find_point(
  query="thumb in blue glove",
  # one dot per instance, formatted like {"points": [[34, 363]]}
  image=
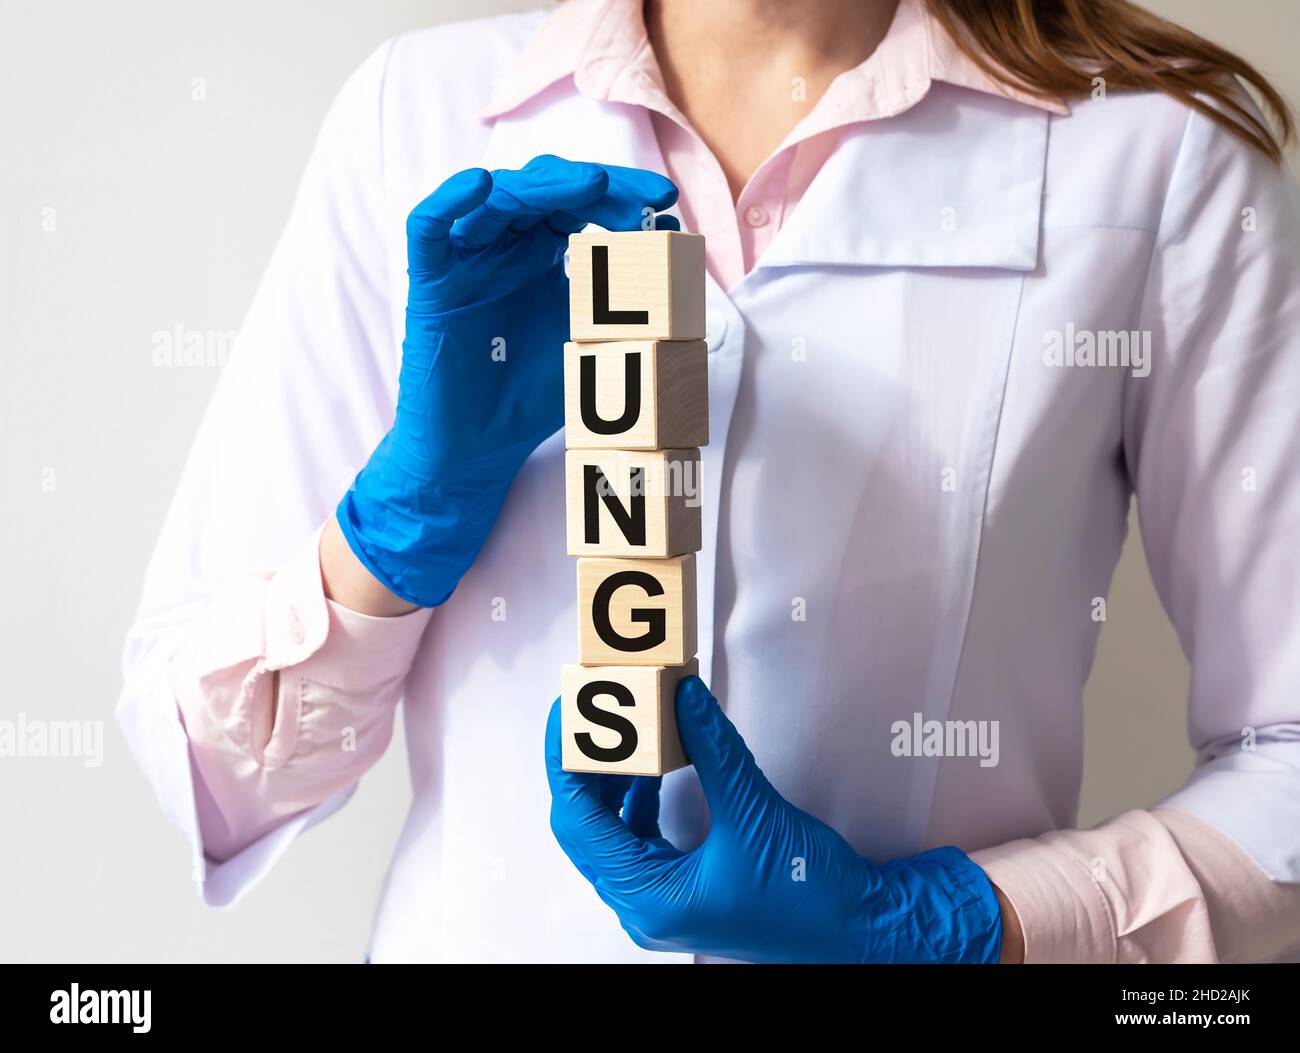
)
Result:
{"points": [[770, 883]]}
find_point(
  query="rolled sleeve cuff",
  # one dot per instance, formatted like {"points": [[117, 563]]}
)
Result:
{"points": [[266, 760], [1121, 892], [1062, 911], [327, 642]]}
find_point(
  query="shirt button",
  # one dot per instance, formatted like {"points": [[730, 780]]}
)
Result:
{"points": [[296, 632], [756, 216]]}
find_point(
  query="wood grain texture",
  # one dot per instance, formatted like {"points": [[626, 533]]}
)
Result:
{"points": [[658, 272], [671, 400], [656, 492], [647, 744], [621, 623]]}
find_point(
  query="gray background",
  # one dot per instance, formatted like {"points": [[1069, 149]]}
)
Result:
{"points": [[166, 210]]}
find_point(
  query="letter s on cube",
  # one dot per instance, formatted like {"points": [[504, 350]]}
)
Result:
{"points": [[621, 720]]}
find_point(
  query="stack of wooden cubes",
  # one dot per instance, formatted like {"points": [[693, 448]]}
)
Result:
{"points": [[636, 409]]}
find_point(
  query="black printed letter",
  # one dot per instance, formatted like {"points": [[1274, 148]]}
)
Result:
{"points": [[593, 714], [655, 620]]}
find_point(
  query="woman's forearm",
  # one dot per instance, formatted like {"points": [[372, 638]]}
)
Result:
{"points": [[1013, 937], [348, 582]]}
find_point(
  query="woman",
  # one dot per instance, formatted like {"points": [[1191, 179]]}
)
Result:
{"points": [[954, 324]]}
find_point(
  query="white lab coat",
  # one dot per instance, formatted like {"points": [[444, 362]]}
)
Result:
{"points": [[891, 456]]}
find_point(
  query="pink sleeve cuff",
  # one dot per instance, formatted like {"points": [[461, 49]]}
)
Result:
{"points": [[263, 757], [1062, 914], [1121, 892], [330, 643], [1255, 918]]}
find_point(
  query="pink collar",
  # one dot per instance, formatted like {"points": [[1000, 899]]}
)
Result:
{"points": [[602, 45]]}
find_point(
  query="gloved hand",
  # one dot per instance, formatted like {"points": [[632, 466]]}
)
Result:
{"points": [[481, 382], [770, 883]]}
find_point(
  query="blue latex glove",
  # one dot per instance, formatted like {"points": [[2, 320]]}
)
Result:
{"points": [[738, 895], [482, 377]]}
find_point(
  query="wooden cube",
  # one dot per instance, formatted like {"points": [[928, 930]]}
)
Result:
{"points": [[636, 395], [629, 503], [622, 719], [642, 284], [636, 611]]}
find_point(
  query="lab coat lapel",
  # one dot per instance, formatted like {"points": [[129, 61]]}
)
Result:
{"points": [[955, 181], [577, 127]]}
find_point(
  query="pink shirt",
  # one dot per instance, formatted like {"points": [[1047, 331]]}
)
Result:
{"points": [[275, 665]]}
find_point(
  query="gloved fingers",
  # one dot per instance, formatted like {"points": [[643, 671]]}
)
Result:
{"points": [[662, 848], [733, 783], [430, 222], [566, 223], [641, 807], [592, 836], [633, 194], [546, 184], [613, 789]]}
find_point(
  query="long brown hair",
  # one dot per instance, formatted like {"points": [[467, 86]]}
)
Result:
{"points": [[1056, 47]]}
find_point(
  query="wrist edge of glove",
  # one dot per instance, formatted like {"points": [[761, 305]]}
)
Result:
{"points": [[954, 910], [347, 520]]}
